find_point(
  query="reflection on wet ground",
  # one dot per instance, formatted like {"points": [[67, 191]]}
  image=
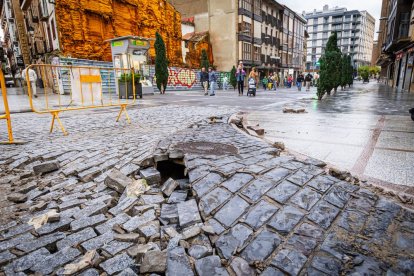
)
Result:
{"points": [[366, 129]]}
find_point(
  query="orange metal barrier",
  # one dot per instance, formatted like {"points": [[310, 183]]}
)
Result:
{"points": [[67, 88]]}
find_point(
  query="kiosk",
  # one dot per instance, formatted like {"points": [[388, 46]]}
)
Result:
{"points": [[131, 52]]}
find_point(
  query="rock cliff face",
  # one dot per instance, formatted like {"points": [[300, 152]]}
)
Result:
{"points": [[84, 25]]}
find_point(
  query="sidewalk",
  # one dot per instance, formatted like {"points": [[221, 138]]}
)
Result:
{"points": [[366, 130]]}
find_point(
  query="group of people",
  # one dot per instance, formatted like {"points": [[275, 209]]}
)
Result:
{"points": [[208, 79], [271, 82]]}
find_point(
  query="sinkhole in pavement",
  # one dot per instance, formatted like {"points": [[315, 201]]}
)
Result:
{"points": [[171, 168]]}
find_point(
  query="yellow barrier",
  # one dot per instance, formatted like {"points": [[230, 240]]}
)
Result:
{"points": [[6, 116], [85, 85]]}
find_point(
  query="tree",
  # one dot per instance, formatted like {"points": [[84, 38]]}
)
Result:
{"points": [[233, 80], [344, 71], [330, 67], [350, 72], [363, 71], [204, 60], [161, 64]]}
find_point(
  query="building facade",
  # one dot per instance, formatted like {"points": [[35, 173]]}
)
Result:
{"points": [[355, 30], [260, 33], [15, 44], [396, 44]]}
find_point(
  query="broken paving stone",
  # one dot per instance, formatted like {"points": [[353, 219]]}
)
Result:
{"points": [[198, 251], [117, 181], [206, 183], [230, 212], [98, 241], [282, 192], [261, 247], [191, 232], [257, 129], [149, 229], [188, 213], [86, 261], [210, 265], [286, 219], [152, 199], [306, 198], [17, 197], [6, 257], [169, 186], [138, 250], [117, 264], [41, 242], [213, 199], [151, 175], [272, 271], [241, 267], [107, 226], [154, 261], [127, 272], [90, 272], [137, 221], [169, 213], [260, 214], [84, 222], [289, 260], [27, 261], [76, 238], [60, 258], [323, 214], [177, 196], [46, 167], [178, 263], [123, 205], [114, 247], [131, 237], [38, 207], [229, 243], [237, 181]]}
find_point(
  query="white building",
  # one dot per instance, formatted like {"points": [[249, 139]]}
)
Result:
{"points": [[355, 30]]}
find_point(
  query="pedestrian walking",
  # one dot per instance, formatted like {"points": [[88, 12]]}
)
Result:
{"points": [[275, 81], [204, 80], [289, 81], [265, 81], [253, 74], [225, 82], [299, 81], [212, 79], [308, 80], [240, 75], [32, 79]]}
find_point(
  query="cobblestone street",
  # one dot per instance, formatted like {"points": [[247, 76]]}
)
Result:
{"points": [[182, 192]]}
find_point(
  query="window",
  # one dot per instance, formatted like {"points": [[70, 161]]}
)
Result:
{"points": [[257, 53], [246, 4], [257, 7], [315, 29], [52, 22], [404, 24], [247, 51]]}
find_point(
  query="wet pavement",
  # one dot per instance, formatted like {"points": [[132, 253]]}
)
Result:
{"points": [[99, 201], [366, 130]]}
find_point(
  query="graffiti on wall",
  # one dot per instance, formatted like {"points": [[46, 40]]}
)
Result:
{"points": [[187, 79], [182, 77]]}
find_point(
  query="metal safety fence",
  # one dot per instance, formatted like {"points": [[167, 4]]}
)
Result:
{"points": [[59, 88]]}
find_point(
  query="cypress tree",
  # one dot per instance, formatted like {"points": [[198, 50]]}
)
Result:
{"points": [[161, 64], [204, 60], [344, 71], [350, 72], [330, 67], [233, 80]]}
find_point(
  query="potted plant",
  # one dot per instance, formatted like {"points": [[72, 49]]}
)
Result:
{"points": [[125, 86]]}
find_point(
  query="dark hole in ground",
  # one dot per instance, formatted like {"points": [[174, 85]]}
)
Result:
{"points": [[169, 168]]}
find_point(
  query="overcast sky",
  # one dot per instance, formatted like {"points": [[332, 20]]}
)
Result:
{"points": [[372, 6]]}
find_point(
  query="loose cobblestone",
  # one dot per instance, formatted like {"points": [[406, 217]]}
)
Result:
{"points": [[246, 211]]}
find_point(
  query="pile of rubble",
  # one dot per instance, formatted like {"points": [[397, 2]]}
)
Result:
{"points": [[135, 225]]}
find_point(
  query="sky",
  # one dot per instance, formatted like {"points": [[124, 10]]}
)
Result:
{"points": [[372, 6]]}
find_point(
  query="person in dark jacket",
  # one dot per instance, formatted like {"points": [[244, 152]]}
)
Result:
{"points": [[240, 75], [204, 80], [212, 79], [299, 81], [308, 80]]}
